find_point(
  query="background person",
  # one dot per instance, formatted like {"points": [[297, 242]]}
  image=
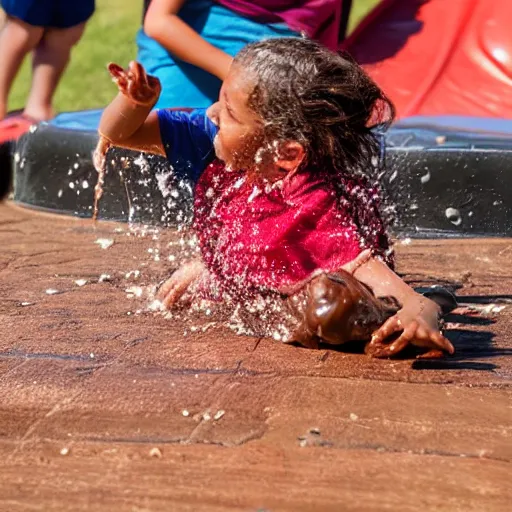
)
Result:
{"points": [[189, 44], [49, 29]]}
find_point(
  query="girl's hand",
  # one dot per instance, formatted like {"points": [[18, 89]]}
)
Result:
{"points": [[175, 287], [134, 83], [419, 322]]}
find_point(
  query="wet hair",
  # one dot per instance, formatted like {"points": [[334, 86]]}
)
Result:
{"points": [[325, 101], [321, 99]]}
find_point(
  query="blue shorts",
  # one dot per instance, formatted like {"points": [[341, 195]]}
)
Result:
{"points": [[184, 85], [50, 13]]}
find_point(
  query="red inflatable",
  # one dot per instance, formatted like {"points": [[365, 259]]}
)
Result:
{"points": [[13, 127], [437, 57]]}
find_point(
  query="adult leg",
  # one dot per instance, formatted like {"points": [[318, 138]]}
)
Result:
{"points": [[51, 58], [17, 38]]}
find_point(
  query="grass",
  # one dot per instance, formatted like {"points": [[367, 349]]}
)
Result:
{"points": [[109, 36]]}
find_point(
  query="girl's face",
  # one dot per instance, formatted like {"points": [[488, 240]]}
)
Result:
{"points": [[240, 141], [240, 129]]}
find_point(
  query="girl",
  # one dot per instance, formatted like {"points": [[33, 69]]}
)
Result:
{"points": [[281, 164], [191, 43]]}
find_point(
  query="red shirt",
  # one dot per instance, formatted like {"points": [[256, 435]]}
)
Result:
{"points": [[253, 238]]}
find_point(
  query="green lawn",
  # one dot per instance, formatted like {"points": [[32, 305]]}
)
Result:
{"points": [[109, 37]]}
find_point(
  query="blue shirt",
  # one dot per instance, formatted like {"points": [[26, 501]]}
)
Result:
{"points": [[188, 141]]}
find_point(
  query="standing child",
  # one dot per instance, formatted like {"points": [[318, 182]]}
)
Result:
{"points": [[189, 44], [282, 164], [49, 28]]}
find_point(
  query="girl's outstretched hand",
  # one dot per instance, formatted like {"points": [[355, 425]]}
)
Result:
{"points": [[135, 83], [179, 283], [419, 323]]}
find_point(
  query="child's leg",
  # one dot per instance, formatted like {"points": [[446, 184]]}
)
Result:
{"points": [[17, 38], [51, 58]]}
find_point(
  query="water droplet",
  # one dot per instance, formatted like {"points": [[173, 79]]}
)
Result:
{"points": [[155, 452], [425, 178], [453, 215], [104, 243], [219, 414], [135, 290]]}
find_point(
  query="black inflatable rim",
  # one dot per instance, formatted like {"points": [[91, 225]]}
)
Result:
{"points": [[410, 150]]}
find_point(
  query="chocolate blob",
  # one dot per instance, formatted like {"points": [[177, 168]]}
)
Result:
{"points": [[339, 308]]}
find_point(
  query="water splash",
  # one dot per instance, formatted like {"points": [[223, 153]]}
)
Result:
{"points": [[100, 164], [454, 216]]}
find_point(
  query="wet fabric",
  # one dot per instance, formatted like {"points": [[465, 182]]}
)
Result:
{"points": [[255, 237], [50, 13], [270, 238]]}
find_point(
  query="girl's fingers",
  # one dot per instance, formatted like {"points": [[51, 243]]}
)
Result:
{"points": [[140, 74], [165, 289], [153, 82], [442, 342], [389, 327], [398, 345], [171, 291], [115, 69], [133, 90], [390, 350], [431, 354], [118, 75], [134, 70], [134, 81], [171, 298], [430, 338]]}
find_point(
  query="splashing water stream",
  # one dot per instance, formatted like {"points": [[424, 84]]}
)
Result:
{"points": [[100, 164]]}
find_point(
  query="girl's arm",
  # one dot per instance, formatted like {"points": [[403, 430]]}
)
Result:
{"points": [[128, 121], [162, 24], [419, 317]]}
